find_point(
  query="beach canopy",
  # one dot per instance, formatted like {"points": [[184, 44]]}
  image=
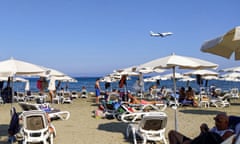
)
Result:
{"points": [[187, 79], [130, 71], [12, 67], [170, 76], [231, 69], [15, 79], [202, 72], [183, 62], [224, 45], [63, 78]]}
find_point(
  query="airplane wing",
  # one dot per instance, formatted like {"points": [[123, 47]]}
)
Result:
{"points": [[164, 34]]}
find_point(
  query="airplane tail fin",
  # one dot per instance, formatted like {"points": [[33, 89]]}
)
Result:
{"points": [[151, 32]]}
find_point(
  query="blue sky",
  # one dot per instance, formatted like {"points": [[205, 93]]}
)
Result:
{"points": [[94, 37]]}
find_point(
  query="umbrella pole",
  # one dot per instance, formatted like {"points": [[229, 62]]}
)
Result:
{"points": [[10, 78], [175, 107]]}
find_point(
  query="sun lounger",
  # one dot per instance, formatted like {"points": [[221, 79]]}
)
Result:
{"points": [[220, 101], [53, 113], [74, 94], [36, 128], [151, 128], [134, 112]]}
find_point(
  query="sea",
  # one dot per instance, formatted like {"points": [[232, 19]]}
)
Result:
{"points": [[89, 82]]}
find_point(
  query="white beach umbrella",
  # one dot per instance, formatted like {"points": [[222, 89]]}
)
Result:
{"points": [[202, 72], [12, 67], [146, 70], [109, 79], [210, 77], [149, 79], [224, 45], [229, 79], [231, 75], [52, 72], [182, 62], [15, 79], [127, 71], [170, 76], [231, 69], [64, 78], [186, 79]]}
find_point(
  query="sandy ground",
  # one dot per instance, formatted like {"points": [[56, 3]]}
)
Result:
{"points": [[82, 128]]}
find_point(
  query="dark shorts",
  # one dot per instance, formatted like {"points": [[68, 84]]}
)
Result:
{"points": [[97, 92], [186, 139]]}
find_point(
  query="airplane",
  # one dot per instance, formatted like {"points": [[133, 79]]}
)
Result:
{"points": [[164, 34]]}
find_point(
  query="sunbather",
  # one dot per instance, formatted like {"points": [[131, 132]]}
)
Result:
{"points": [[220, 132], [190, 96], [134, 100]]}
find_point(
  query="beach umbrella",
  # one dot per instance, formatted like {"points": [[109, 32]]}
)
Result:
{"points": [[202, 72], [130, 71], [146, 70], [15, 79], [231, 69], [12, 67], [224, 45], [51, 72], [170, 76], [187, 79], [63, 78], [231, 75], [108, 79], [149, 79], [182, 62]]}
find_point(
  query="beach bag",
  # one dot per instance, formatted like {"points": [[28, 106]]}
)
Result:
{"points": [[99, 114], [208, 138]]}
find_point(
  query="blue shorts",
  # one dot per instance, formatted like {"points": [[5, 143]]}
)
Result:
{"points": [[97, 92]]}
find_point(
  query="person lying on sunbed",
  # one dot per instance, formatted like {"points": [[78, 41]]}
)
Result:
{"points": [[217, 134], [134, 100]]}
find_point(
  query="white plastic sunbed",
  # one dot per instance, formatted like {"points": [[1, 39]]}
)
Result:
{"points": [[52, 113]]}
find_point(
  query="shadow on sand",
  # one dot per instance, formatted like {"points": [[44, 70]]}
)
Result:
{"points": [[118, 127], [3, 133], [235, 103], [200, 111]]}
